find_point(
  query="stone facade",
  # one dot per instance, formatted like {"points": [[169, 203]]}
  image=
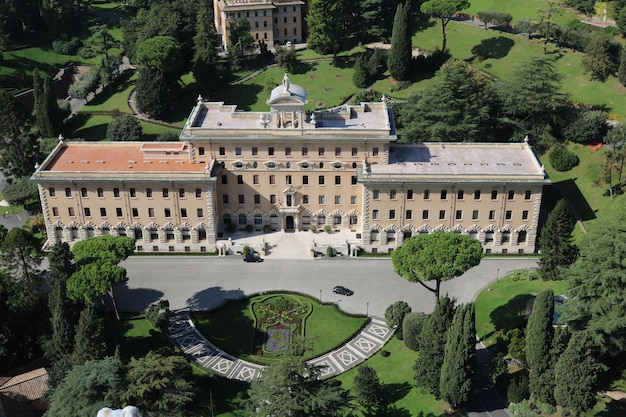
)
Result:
{"points": [[276, 22], [291, 169]]}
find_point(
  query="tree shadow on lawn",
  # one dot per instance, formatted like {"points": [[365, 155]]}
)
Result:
{"points": [[244, 95], [393, 411], [91, 134], [395, 391], [28, 65], [578, 204], [494, 48], [512, 314]]}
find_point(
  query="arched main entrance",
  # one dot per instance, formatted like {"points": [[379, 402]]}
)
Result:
{"points": [[289, 224]]}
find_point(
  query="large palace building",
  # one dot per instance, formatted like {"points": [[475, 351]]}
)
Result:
{"points": [[274, 21], [289, 169]]}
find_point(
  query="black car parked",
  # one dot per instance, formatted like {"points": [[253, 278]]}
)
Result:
{"points": [[342, 290]]}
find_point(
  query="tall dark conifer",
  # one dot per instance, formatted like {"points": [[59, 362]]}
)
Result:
{"points": [[89, 340], [432, 343], [459, 361], [63, 315], [621, 72], [539, 335], [400, 53], [45, 104], [205, 59], [555, 242]]}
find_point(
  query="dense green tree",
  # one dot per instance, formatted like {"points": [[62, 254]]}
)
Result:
{"points": [[61, 16], [600, 59], [86, 389], [395, 313], [3, 233], [620, 21], [205, 64], [160, 56], [160, 385], [436, 257], [432, 344], [89, 339], [443, 10], [589, 126], [460, 105], [62, 310], [594, 283], [412, 328], [98, 271], [287, 58], [399, 63], [241, 40], [459, 362], [546, 15], [21, 191], [361, 78], [531, 97], [157, 314], [376, 19], [584, 6], [577, 373], [20, 152], [291, 387], [497, 18], [555, 241], [621, 72], [20, 257], [124, 128], [152, 93], [367, 387], [539, 335], [325, 31]]}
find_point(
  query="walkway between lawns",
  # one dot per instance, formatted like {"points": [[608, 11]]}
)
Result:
{"points": [[194, 345]]}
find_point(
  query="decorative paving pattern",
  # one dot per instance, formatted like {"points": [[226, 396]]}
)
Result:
{"points": [[196, 347]]}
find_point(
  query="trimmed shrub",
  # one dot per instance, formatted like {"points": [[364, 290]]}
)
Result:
{"points": [[249, 228], [385, 353], [395, 313], [562, 159], [65, 47], [87, 52], [328, 229], [313, 228], [231, 227], [246, 250], [267, 228], [330, 252], [412, 328]]}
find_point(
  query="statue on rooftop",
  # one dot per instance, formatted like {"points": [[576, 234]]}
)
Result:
{"points": [[286, 82]]}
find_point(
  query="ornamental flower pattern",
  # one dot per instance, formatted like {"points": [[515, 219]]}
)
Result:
{"points": [[278, 319]]}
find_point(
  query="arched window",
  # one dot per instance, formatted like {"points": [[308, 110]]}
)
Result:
{"points": [[243, 220], [374, 235]]}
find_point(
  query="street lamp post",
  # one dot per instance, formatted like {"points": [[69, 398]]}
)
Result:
{"points": [[497, 275], [367, 309], [320, 297]]}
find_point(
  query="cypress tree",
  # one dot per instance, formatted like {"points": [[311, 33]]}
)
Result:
{"points": [[539, 335], [555, 241], [459, 361], [432, 343], [45, 105], [367, 387], [400, 53], [205, 59], [577, 374], [89, 343], [621, 72], [361, 71], [62, 310]]}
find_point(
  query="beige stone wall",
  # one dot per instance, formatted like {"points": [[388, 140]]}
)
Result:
{"points": [[489, 212], [181, 217]]}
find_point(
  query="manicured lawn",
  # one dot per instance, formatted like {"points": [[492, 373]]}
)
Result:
{"points": [[498, 53], [135, 335], [118, 100], [9, 210], [231, 328], [518, 9], [502, 305], [588, 199], [396, 375]]}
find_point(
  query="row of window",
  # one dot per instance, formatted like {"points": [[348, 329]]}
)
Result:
{"points": [[182, 193], [321, 180], [458, 215], [390, 237], [119, 212], [443, 195], [242, 219], [231, 15], [305, 199], [321, 151]]}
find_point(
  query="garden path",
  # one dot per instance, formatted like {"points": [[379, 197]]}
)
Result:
{"points": [[369, 340]]}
